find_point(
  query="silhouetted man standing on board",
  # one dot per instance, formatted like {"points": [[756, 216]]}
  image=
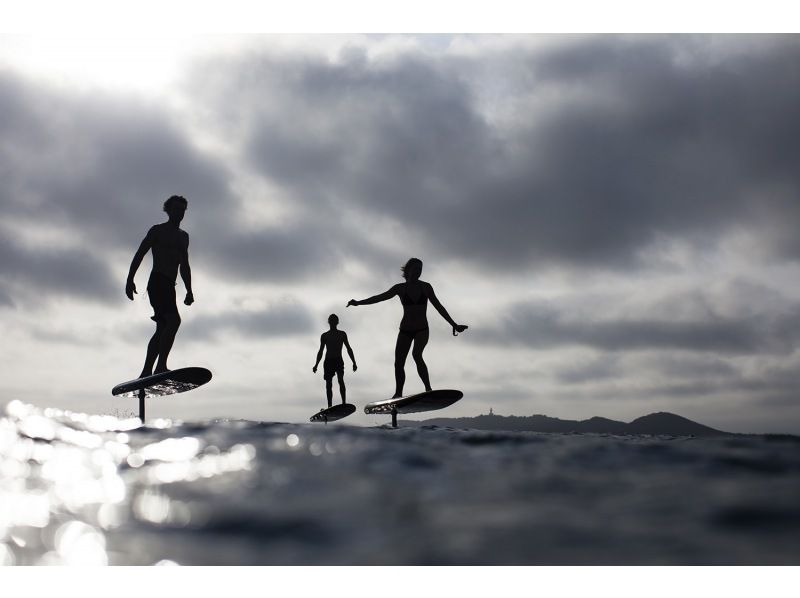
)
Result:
{"points": [[170, 246], [332, 340]]}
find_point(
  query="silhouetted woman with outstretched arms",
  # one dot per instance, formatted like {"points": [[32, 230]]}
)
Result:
{"points": [[414, 294]]}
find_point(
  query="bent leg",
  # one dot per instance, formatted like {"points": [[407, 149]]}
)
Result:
{"points": [[420, 340], [400, 354]]}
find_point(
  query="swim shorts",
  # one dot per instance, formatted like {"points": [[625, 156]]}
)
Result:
{"points": [[333, 367], [161, 291]]}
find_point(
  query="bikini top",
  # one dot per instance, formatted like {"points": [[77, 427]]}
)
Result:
{"points": [[406, 299]]}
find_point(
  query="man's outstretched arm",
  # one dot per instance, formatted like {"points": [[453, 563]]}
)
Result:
{"points": [[144, 247]]}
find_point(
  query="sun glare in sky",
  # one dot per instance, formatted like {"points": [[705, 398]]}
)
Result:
{"points": [[144, 64]]}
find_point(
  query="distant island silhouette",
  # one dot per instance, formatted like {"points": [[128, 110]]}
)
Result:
{"points": [[656, 424]]}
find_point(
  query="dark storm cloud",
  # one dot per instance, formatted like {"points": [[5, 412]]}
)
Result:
{"points": [[606, 143], [683, 136], [278, 320], [669, 374], [540, 325], [350, 138], [686, 367], [97, 168], [275, 254], [42, 271], [774, 385], [581, 153], [101, 165], [5, 298], [600, 368], [97, 164], [304, 249]]}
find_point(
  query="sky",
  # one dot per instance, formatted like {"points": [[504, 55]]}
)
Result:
{"points": [[614, 217]]}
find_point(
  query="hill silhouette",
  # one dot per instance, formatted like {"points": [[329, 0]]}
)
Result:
{"points": [[656, 424]]}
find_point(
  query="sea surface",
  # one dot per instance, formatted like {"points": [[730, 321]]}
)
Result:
{"points": [[88, 489]]}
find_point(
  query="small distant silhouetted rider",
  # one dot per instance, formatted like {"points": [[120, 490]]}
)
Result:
{"points": [[332, 342], [170, 246], [414, 294]]}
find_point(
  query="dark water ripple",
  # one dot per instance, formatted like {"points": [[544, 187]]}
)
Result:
{"points": [[78, 489]]}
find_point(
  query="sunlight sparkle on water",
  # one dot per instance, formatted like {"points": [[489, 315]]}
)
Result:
{"points": [[63, 482], [171, 449], [116, 450], [159, 509], [238, 458], [79, 437], [6, 556], [24, 508], [135, 460], [35, 426], [110, 516], [80, 544]]}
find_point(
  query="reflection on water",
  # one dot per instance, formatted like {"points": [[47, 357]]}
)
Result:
{"points": [[79, 489], [67, 478]]}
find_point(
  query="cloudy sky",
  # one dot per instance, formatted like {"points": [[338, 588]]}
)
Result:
{"points": [[615, 218]]}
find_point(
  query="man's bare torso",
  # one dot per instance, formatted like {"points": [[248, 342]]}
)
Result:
{"points": [[170, 245], [333, 341]]}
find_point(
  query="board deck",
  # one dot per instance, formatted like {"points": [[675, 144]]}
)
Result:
{"points": [[166, 383], [334, 413], [424, 401]]}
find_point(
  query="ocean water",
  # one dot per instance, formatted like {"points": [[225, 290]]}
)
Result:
{"points": [[86, 489]]}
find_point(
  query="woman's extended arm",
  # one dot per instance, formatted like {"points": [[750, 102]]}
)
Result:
{"points": [[440, 308], [375, 298]]}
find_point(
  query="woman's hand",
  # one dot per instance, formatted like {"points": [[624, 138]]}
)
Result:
{"points": [[352, 302], [459, 328]]}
